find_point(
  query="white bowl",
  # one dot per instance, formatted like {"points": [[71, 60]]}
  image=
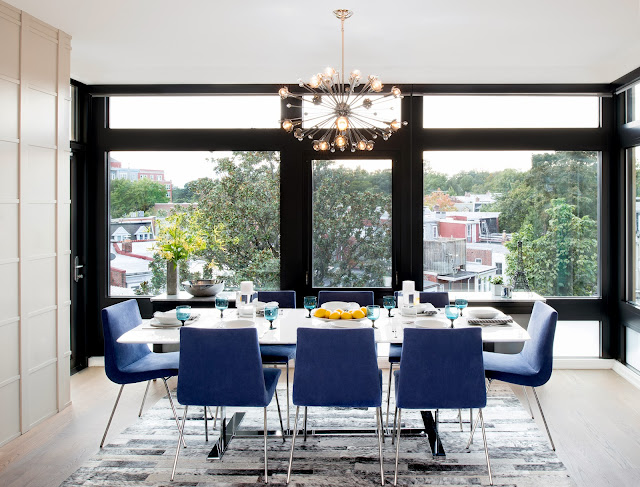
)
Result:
{"points": [[343, 305], [431, 323], [238, 324], [482, 313], [166, 317]]}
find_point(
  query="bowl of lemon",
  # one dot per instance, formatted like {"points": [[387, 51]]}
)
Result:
{"points": [[340, 316]]}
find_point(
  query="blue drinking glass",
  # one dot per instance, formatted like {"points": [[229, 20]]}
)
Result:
{"points": [[451, 312], [461, 304], [310, 302], [221, 304], [183, 313], [389, 302], [271, 313], [373, 313]]}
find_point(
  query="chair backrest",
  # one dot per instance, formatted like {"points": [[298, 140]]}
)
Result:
{"points": [[220, 368], [438, 299], [363, 298], [441, 369], [336, 368], [116, 321], [285, 299], [538, 352]]}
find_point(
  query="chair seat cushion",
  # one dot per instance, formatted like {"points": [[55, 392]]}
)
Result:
{"points": [[512, 368], [395, 353], [151, 366], [277, 354]]}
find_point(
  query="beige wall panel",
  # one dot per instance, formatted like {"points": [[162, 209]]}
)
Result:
{"points": [[64, 228], [9, 113], [64, 176], [64, 63], [10, 52], [40, 119], [65, 278], [40, 172], [9, 346], [39, 279], [65, 322], [9, 239], [10, 407], [9, 292], [8, 170], [40, 62], [42, 394], [64, 137], [39, 231], [41, 338]]}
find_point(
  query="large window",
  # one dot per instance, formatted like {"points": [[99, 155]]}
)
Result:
{"points": [[484, 202], [633, 161], [351, 234], [224, 207]]}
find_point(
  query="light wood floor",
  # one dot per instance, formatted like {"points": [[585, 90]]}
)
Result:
{"points": [[594, 417]]}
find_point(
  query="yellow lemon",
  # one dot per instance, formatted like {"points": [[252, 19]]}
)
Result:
{"points": [[339, 310], [320, 313], [345, 316], [334, 316], [364, 310], [358, 314]]}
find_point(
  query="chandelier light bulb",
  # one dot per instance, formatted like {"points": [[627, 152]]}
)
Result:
{"points": [[341, 142], [342, 123], [329, 71], [362, 145], [395, 125], [314, 82], [370, 145], [287, 125], [395, 91], [323, 145], [376, 85], [283, 92]]}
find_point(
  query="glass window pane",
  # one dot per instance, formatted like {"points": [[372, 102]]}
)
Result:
{"points": [[633, 348], [193, 112], [511, 111], [225, 205], [633, 159], [482, 203], [351, 242], [632, 104]]}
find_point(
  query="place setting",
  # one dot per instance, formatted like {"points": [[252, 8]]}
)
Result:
{"points": [[180, 316]]}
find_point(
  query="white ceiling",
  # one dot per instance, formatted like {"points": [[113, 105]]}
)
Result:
{"points": [[402, 41]]}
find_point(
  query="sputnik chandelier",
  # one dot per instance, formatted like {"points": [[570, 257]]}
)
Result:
{"points": [[344, 117]]}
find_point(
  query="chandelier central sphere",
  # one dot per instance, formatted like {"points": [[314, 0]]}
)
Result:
{"points": [[345, 118]]}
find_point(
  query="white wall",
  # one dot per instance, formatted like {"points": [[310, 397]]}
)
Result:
{"points": [[34, 221]]}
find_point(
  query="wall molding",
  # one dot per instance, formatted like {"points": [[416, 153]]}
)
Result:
{"points": [[15, 319], [14, 260], [627, 374], [43, 365], [42, 311], [582, 363], [10, 380], [9, 79]]}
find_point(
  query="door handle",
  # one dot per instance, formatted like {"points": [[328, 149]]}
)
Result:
{"points": [[76, 270]]}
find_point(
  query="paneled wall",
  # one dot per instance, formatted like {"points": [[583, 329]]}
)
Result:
{"points": [[34, 220]]}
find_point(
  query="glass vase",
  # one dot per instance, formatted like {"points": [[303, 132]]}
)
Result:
{"points": [[172, 278]]}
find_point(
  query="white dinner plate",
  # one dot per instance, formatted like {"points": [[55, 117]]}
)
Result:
{"points": [[238, 324], [343, 305], [482, 313], [431, 323], [158, 324]]}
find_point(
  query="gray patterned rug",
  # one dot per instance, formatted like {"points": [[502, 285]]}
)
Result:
{"points": [[143, 454]]}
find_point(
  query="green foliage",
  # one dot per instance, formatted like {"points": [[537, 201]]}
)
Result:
{"points": [[351, 242], [127, 196], [180, 236], [182, 195]]}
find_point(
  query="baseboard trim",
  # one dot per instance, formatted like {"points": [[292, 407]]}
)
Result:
{"points": [[582, 363], [96, 362], [627, 374]]}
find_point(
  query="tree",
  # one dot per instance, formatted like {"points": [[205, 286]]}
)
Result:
{"points": [[129, 196], [439, 198], [183, 195]]}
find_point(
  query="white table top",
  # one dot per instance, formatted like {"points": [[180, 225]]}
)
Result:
{"points": [[388, 331]]}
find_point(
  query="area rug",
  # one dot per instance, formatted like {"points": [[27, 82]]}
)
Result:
{"points": [[143, 454]]}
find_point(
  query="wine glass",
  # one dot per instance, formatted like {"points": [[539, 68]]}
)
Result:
{"points": [[183, 313], [451, 312], [373, 313], [310, 302], [221, 304], [389, 302], [271, 313], [461, 304]]}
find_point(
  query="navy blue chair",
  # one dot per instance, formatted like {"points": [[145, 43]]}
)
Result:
{"points": [[337, 368], [279, 354], [533, 365], [363, 298], [440, 369], [439, 300], [221, 368], [128, 363]]}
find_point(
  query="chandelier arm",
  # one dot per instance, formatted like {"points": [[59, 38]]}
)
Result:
{"points": [[374, 101], [366, 120]]}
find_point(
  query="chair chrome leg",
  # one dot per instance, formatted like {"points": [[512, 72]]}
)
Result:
{"points": [[266, 471], [535, 394], [111, 417], [144, 398], [288, 407], [215, 418], [381, 424], [279, 415], [395, 477], [393, 435], [460, 418], [293, 443], [379, 428], [470, 417], [206, 429], [473, 429], [486, 450], [389, 392], [305, 423], [180, 440], [173, 408], [528, 402]]}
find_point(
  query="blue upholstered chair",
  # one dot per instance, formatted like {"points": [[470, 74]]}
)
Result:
{"points": [[279, 354], [221, 367], [337, 368], [440, 369], [363, 298], [127, 363], [439, 300], [533, 365]]}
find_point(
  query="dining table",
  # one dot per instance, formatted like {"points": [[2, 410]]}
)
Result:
{"points": [[284, 331]]}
